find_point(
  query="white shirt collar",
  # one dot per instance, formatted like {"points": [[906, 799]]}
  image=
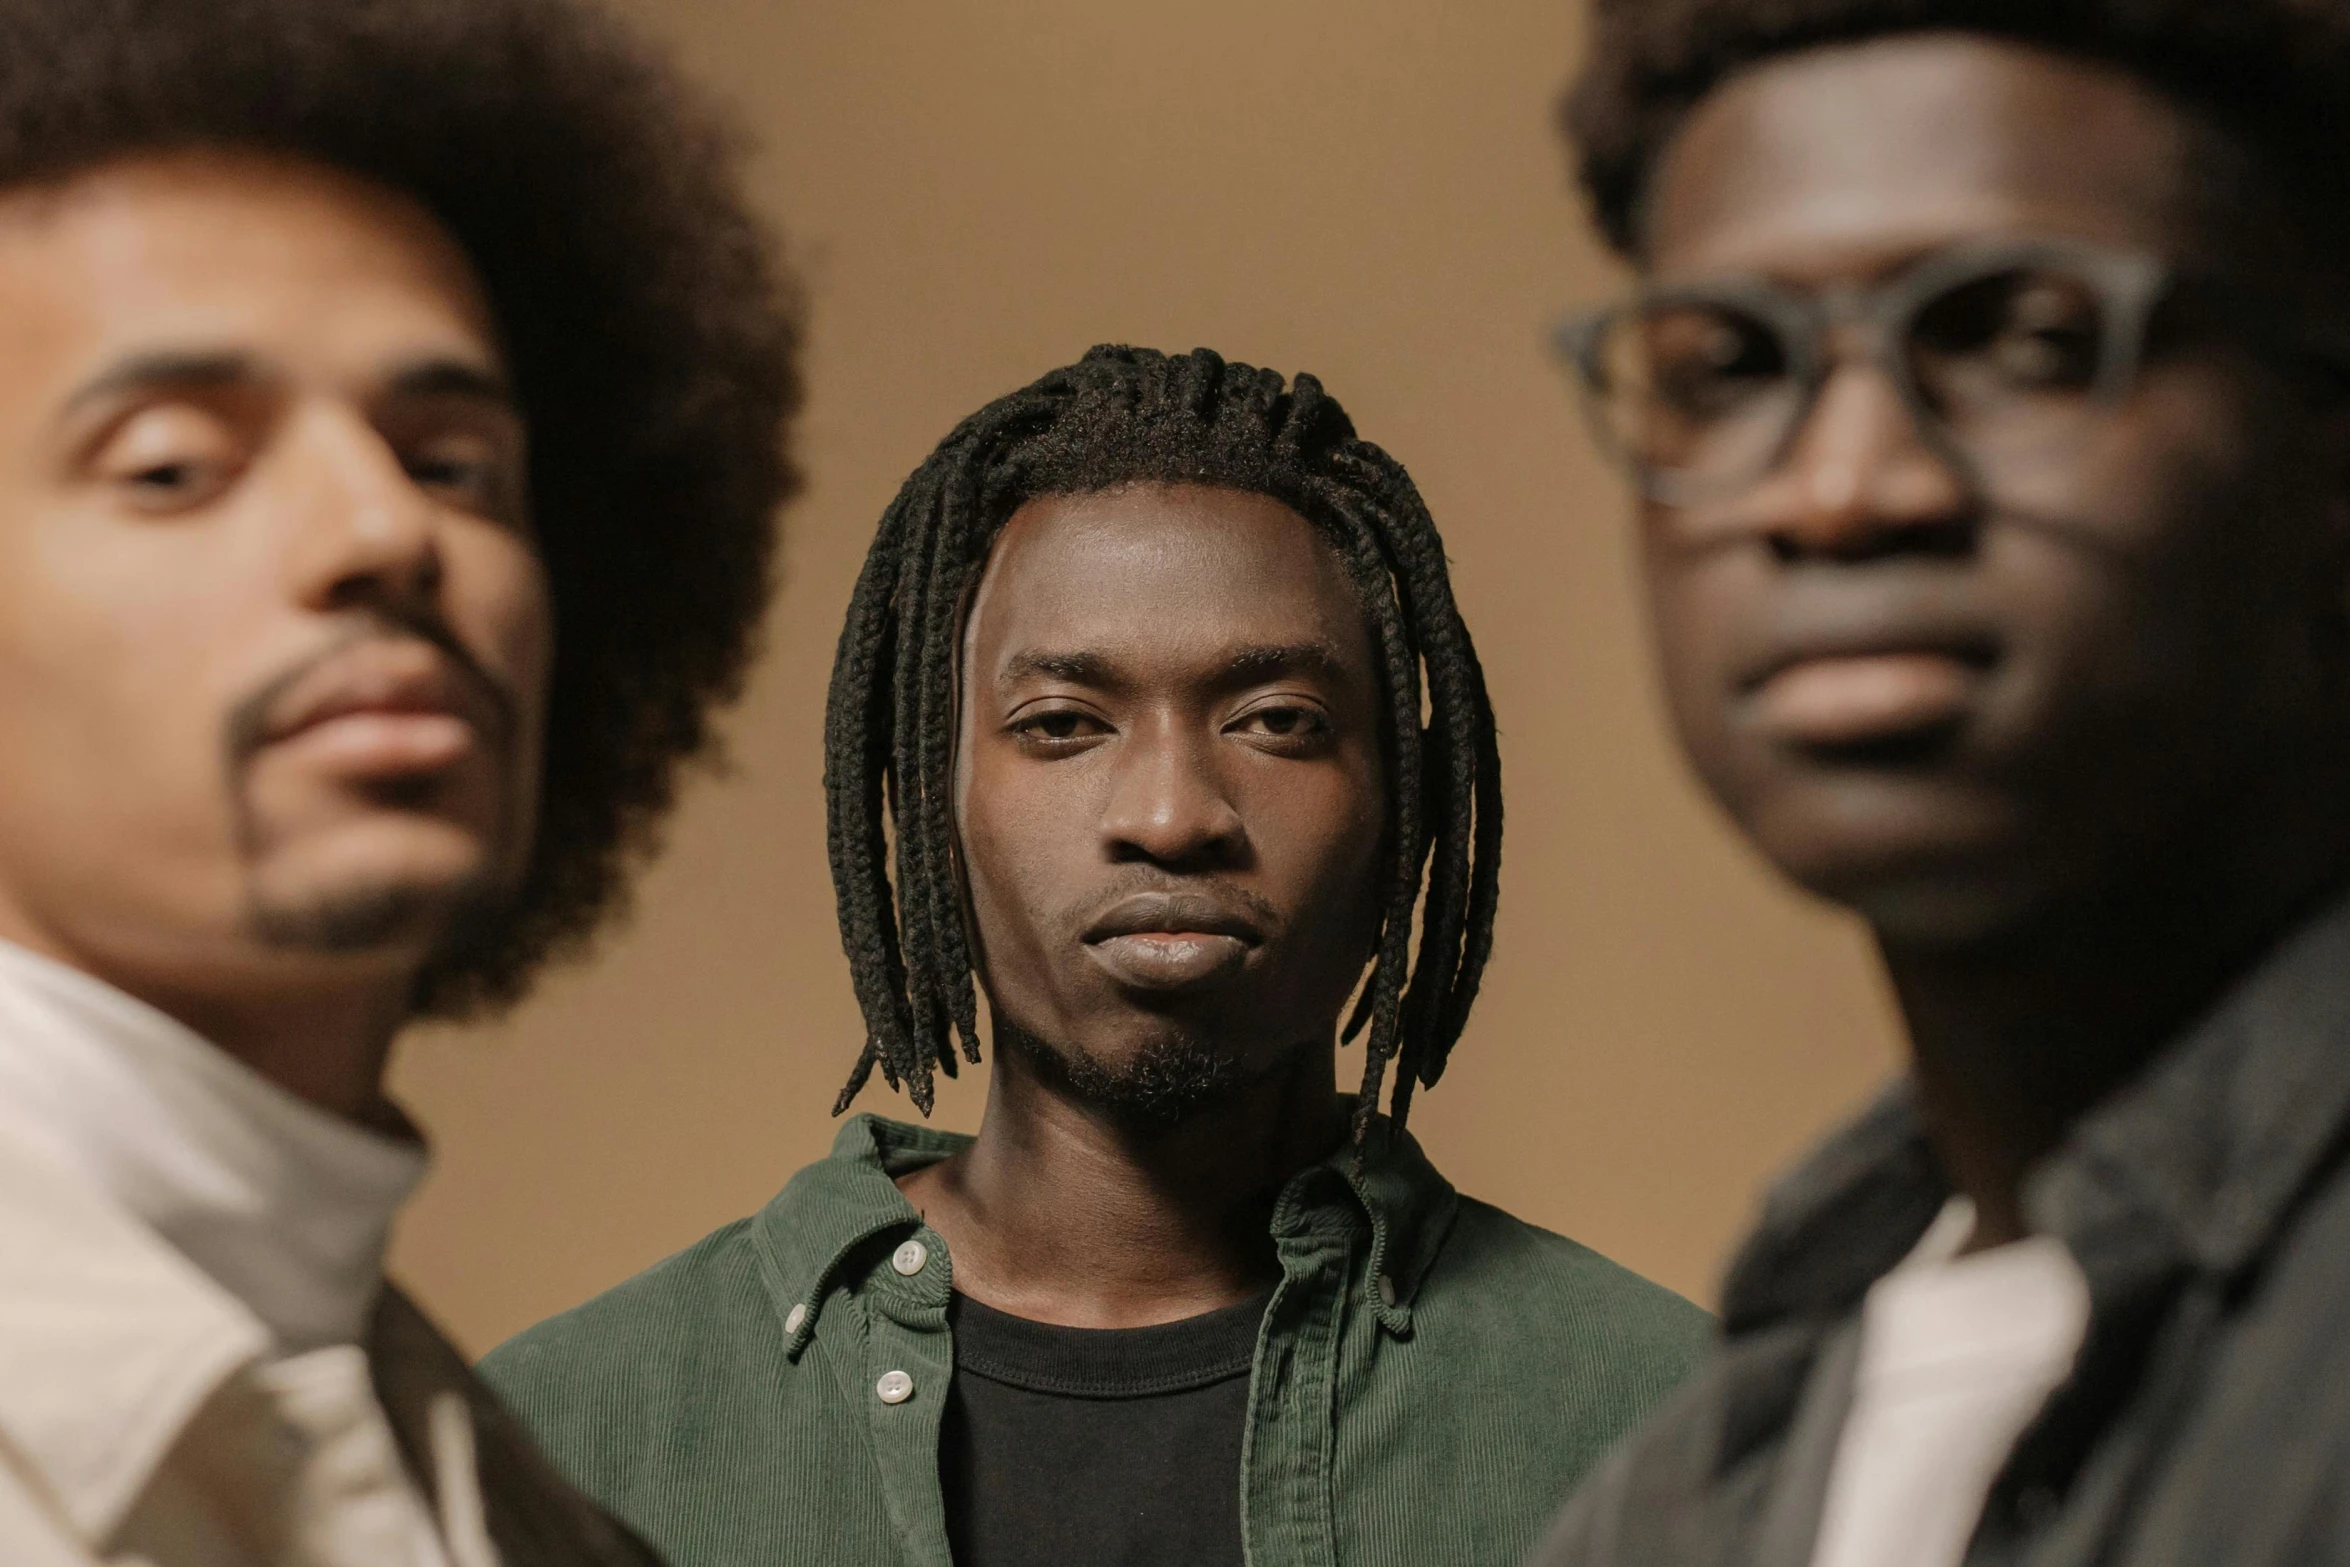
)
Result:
{"points": [[287, 1207], [110, 1341]]}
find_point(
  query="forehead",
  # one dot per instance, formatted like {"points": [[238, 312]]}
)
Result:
{"points": [[1155, 573], [228, 251], [1856, 157]]}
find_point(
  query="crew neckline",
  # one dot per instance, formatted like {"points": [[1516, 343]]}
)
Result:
{"points": [[1107, 1363]]}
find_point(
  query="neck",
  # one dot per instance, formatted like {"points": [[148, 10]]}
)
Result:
{"points": [[325, 1037], [1061, 1213], [2016, 1037], [330, 1045]]}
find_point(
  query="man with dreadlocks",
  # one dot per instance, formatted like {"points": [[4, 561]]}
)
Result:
{"points": [[1988, 389], [1133, 684]]}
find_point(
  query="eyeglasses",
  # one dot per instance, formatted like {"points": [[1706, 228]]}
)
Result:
{"points": [[2004, 353]]}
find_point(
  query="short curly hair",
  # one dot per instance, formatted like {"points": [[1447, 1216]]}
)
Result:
{"points": [[652, 340], [2276, 73]]}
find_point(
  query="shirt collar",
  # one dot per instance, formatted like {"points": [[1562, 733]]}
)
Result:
{"points": [[1409, 1206], [807, 1234], [2201, 1162], [286, 1206], [2193, 1166], [1840, 1221], [807, 1231], [110, 1341]]}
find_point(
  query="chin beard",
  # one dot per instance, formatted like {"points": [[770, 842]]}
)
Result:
{"points": [[448, 919], [1170, 1081]]}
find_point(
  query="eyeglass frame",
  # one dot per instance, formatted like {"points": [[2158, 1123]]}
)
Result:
{"points": [[2131, 285]]}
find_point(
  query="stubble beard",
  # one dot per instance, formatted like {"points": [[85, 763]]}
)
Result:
{"points": [[1172, 1079], [445, 918]]}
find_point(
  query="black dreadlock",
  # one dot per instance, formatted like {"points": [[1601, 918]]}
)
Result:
{"points": [[1124, 416]]}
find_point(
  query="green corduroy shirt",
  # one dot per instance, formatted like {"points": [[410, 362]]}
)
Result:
{"points": [[1431, 1379]]}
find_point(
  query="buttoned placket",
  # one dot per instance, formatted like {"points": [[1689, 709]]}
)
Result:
{"points": [[876, 1289], [1287, 1502], [899, 1313]]}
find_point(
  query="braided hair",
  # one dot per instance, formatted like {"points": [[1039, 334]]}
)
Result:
{"points": [[1124, 416]]}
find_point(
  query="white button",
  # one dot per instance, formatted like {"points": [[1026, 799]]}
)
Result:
{"points": [[909, 1258], [799, 1314], [895, 1387], [1386, 1290]]}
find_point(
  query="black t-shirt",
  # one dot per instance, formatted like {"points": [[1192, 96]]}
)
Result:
{"points": [[1096, 1447]]}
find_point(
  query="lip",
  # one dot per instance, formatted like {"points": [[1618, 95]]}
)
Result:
{"points": [[382, 709], [1860, 667], [1845, 700], [1160, 941]]}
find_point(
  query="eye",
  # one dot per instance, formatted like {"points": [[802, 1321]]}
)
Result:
{"points": [[467, 471], [1705, 361], [2050, 336], [1288, 726], [1058, 728], [2025, 330], [170, 457]]}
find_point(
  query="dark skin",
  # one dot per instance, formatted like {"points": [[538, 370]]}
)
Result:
{"points": [[1172, 804], [2075, 749]]}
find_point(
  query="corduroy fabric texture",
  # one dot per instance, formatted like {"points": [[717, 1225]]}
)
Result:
{"points": [[1432, 1377]]}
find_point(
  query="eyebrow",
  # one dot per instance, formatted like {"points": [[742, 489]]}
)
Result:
{"points": [[187, 371], [1078, 669], [201, 370], [1285, 658], [1239, 666], [457, 378]]}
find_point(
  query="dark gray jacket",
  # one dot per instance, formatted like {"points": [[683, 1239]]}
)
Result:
{"points": [[2209, 1418]]}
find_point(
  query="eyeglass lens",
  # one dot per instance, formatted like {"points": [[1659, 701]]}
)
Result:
{"points": [[1707, 393]]}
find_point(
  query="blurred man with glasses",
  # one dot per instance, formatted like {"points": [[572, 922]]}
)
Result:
{"points": [[1984, 386]]}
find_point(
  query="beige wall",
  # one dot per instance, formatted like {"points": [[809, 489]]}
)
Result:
{"points": [[975, 191]]}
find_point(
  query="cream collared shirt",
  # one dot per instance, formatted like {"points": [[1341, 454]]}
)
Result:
{"points": [[188, 1257]]}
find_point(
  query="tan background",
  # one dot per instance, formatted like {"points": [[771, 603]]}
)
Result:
{"points": [[975, 191]]}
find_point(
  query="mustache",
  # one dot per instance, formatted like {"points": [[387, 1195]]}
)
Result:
{"points": [[247, 727]]}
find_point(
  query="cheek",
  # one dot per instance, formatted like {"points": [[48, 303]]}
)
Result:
{"points": [[503, 609], [122, 719], [2178, 591], [125, 648], [1322, 835], [2217, 488], [1021, 861], [121, 653], [1693, 602]]}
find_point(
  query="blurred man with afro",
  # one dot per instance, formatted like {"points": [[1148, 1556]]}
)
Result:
{"points": [[391, 421]]}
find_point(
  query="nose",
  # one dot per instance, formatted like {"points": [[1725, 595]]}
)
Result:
{"points": [[1166, 804], [1863, 479], [360, 531]]}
